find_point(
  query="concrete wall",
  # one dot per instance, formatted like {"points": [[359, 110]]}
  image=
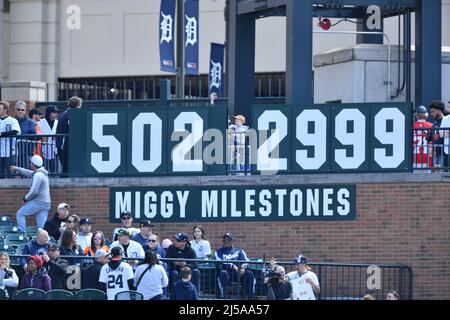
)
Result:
{"points": [[119, 38], [358, 74], [399, 220]]}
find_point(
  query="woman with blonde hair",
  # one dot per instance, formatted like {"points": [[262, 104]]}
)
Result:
{"points": [[10, 280]]}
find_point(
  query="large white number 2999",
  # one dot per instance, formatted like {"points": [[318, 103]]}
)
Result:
{"points": [[396, 138]]}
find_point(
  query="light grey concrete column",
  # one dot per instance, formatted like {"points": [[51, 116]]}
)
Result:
{"points": [[1, 40], [33, 44], [31, 91]]}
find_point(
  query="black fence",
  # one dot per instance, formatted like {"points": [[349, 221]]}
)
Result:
{"points": [[337, 281], [431, 149], [18, 150]]}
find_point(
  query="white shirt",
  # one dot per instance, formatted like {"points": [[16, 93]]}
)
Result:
{"points": [[12, 282], [446, 124], [152, 282], [202, 248], [49, 147], [84, 240], [301, 278], [134, 249], [116, 280], [8, 124]]}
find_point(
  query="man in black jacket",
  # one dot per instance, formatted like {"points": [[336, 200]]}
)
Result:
{"points": [[90, 277], [56, 267], [56, 225], [62, 143], [181, 249]]}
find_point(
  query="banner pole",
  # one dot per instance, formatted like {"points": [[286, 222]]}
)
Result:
{"points": [[180, 50]]}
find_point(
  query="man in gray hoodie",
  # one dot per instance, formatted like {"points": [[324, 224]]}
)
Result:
{"points": [[37, 200]]}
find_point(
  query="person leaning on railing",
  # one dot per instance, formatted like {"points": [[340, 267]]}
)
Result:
{"points": [[9, 127], [278, 285], [437, 109]]}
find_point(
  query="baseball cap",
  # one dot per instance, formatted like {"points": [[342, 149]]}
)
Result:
{"points": [[52, 109], [182, 236], [301, 259], [63, 205], [116, 252], [421, 110], [228, 235], [125, 213], [240, 118], [123, 232], [37, 161], [146, 223], [85, 221], [53, 246], [101, 253]]}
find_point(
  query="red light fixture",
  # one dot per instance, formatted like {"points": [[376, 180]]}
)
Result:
{"points": [[325, 24]]}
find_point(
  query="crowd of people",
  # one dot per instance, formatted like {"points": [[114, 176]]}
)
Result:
{"points": [[431, 146], [134, 261], [54, 150]]}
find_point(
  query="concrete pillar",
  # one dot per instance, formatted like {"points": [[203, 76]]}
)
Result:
{"points": [[33, 43], [1, 40], [28, 91]]}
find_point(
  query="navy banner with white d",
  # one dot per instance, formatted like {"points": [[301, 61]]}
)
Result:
{"points": [[167, 36], [216, 69], [191, 36]]}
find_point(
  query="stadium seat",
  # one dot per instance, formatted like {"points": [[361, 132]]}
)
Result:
{"points": [[2, 294], [30, 294], [5, 230], [31, 231], [8, 249], [58, 294], [5, 221], [20, 247], [15, 239], [129, 295], [90, 294]]}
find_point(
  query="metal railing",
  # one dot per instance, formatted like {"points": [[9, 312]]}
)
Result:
{"points": [[430, 152], [431, 149], [337, 281], [18, 150]]}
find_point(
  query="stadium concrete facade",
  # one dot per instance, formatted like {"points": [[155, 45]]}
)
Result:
{"points": [[119, 39]]}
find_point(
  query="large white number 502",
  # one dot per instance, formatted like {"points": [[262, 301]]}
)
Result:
{"points": [[180, 164], [99, 120], [137, 150], [265, 162]]}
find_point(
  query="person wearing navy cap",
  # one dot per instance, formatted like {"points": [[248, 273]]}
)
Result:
{"points": [[303, 274], [143, 236], [231, 271], [181, 249], [85, 235], [126, 217]]}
